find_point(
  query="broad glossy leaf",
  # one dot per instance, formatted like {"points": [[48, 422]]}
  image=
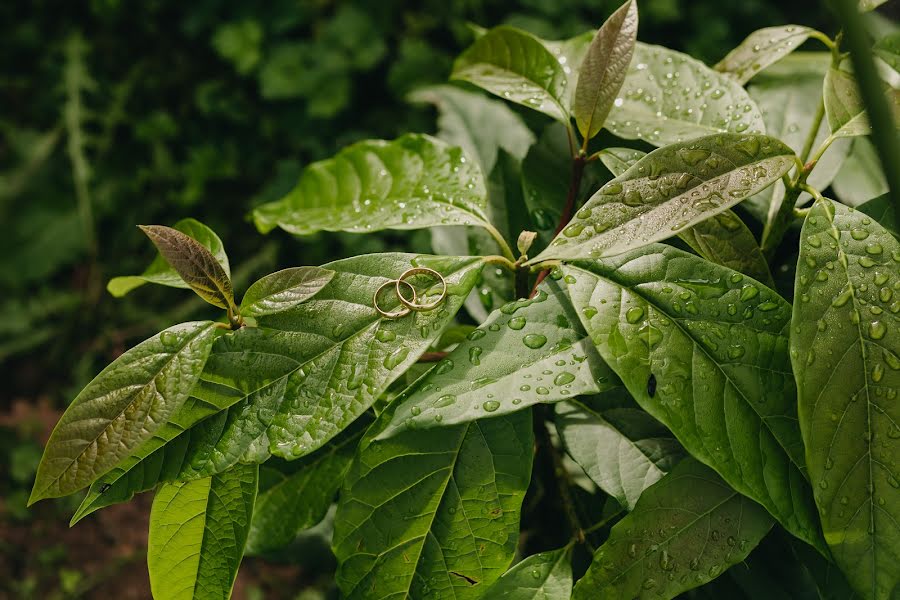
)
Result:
{"points": [[670, 190], [860, 178], [844, 105], [888, 50], [299, 499], [787, 94], [434, 514], [762, 48], [515, 65], [196, 265], [162, 457], [197, 534], [160, 272], [723, 239], [845, 348], [704, 349], [283, 290], [478, 125], [544, 576], [570, 54], [603, 69], [669, 97], [686, 530], [321, 364], [883, 211], [122, 408], [527, 352], [412, 182], [623, 450]]}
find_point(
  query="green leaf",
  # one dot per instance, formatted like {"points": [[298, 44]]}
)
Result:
{"points": [[867, 5], [845, 348], [122, 407], [603, 69], [883, 211], [544, 576], [694, 527], [413, 182], [723, 239], [860, 178], [762, 48], [434, 514], [194, 263], [322, 363], [300, 498], [478, 125], [844, 105], [888, 50], [162, 457], [197, 534], [515, 65], [283, 290], [787, 95], [527, 352], [160, 272], [669, 97], [670, 190], [623, 450], [704, 349], [570, 54]]}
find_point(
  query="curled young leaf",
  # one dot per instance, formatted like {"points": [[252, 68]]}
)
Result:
{"points": [[763, 48], [194, 263], [603, 69]]}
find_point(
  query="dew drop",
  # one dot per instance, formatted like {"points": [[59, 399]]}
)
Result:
{"points": [[490, 405], [532, 340]]}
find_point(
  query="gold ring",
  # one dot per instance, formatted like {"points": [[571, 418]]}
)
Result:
{"points": [[397, 313], [411, 304]]}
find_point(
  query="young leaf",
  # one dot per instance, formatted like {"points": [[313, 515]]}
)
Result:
{"points": [[298, 500], [161, 457], [705, 350], [284, 290], [694, 527], [669, 190], [762, 48], [527, 352], [883, 211], [844, 105], [478, 125], [197, 535], [434, 514], [515, 65], [888, 50], [669, 97], [623, 450], [121, 408], [544, 576], [845, 348], [413, 182], [723, 239], [161, 272], [194, 263], [603, 69]]}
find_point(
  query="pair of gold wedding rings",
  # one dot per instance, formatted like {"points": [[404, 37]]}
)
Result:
{"points": [[410, 305]]}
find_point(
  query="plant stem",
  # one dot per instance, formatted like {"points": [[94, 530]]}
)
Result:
{"points": [[604, 522], [872, 90], [430, 357], [561, 475], [498, 237], [494, 259], [813, 130]]}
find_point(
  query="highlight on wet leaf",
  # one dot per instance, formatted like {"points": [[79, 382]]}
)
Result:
{"points": [[762, 48]]}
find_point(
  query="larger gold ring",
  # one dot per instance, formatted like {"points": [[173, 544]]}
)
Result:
{"points": [[397, 313], [411, 304]]}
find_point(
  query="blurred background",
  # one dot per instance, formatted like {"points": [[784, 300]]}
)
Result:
{"points": [[115, 113]]}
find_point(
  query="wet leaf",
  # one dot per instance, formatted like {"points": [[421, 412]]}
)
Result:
{"points": [[845, 348], [860, 177], [888, 50], [844, 105], [883, 211], [122, 408], [515, 65], [197, 534], [668, 191], [544, 576], [762, 48], [283, 290], [413, 182], [669, 97], [685, 531], [603, 69], [714, 343]]}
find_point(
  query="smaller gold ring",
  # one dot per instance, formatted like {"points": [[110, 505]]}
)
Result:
{"points": [[397, 313], [411, 304]]}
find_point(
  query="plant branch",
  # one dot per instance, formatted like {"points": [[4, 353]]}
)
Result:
{"points": [[813, 130], [498, 237], [884, 135], [600, 525], [430, 357]]}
